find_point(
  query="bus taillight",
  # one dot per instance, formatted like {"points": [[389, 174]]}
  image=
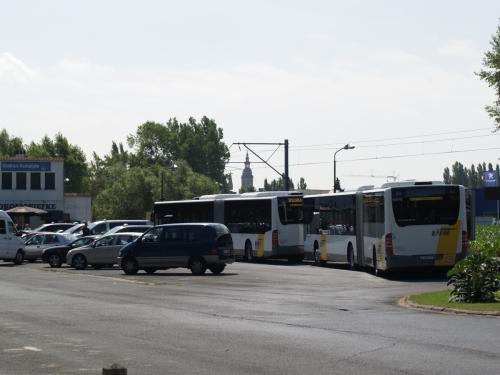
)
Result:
{"points": [[388, 244], [465, 242], [275, 239]]}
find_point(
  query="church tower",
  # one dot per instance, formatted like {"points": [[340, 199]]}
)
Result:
{"points": [[247, 177]]}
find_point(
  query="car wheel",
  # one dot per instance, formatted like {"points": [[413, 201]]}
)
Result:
{"points": [[350, 259], [79, 262], [198, 266], [150, 271], [19, 257], [130, 266], [248, 251], [217, 269], [55, 260]]}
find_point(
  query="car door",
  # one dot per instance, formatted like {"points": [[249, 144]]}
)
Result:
{"points": [[99, 254], [33, 246], [6, 248], [176, 250], [110, 252], [150, 249]]}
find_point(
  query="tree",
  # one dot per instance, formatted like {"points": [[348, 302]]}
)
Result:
{"points": [[200, 144], [278, 185], [446, 176], [337, 185], [491, 74], [75, 163], [10, 146], [302, 184]]}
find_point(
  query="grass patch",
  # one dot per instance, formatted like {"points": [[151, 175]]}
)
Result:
{"points": [[441, 299]]}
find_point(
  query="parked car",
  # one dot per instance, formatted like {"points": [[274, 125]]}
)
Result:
{"points": [[196, 246], [128, 228], [55, 256], [75, 230], [11, 245], [35, 245], [102, 226], [101, 252], [53, 227]]}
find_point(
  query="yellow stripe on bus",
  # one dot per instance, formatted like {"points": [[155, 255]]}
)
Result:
{"points": [[260, 245], [324, 250], [447, 244]]}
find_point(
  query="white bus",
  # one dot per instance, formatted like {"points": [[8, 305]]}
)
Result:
{"points": [[400, 225], [331, 231], [262, 224]]}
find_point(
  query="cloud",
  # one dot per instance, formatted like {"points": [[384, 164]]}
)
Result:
{"points": [[14, 70], [459, 48], [83, 66]]}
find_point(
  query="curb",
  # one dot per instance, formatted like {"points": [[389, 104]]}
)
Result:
{"points": [[405, 302]]}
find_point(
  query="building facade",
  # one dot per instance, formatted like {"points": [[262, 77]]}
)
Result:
{"points": [[37, 183]]}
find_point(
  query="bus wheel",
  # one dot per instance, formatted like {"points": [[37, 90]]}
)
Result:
{"points": [[248, 251], [350, 258], [375, 265]]}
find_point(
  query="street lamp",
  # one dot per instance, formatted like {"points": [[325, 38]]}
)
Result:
{"points": [[345, 147]]}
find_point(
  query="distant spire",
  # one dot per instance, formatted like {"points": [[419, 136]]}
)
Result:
{"points": [[247, 176]]}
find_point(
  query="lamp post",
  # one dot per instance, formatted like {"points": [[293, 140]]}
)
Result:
{"points": [[345, 147]]}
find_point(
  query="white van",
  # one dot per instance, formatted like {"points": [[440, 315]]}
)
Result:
{"points": [[11, 245]]}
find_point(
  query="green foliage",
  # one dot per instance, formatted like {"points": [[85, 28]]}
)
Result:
{"points": [[302, 184], [491, 74], [476, 278], [125, 192], [10, 146], [75, 163], [198, 143], [470, 177], [278, 185]]}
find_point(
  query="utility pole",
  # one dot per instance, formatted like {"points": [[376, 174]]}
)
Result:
{"points": [[287, 180], [284, 176]]}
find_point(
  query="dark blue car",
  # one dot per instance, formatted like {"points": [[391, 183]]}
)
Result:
{"points": [[197, 246]]}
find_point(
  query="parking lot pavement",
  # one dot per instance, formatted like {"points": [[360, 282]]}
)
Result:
{"points": [[267, 317]]}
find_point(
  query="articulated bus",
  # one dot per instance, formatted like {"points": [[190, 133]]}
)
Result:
{"points": [[331, 230], [262, 224], [400, 225]]}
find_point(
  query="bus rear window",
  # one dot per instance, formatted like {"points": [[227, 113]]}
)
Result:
{"points": [[426, 205], [291, 210]]}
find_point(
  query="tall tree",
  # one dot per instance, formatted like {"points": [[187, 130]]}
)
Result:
{"points": [[278, 185], [200, 144], [75, 163], [447, 176], [491, 74], [10, 146]]}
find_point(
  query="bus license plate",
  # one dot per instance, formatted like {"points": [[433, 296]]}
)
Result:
{"points": [[427, 257]]}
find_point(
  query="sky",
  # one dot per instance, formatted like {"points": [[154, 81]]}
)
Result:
{"points": [[395, 79]]}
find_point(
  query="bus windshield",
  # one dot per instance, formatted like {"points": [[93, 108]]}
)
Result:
{"points": [[426, 205], [291, 210]]}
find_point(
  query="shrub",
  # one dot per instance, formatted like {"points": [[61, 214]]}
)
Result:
{"points": [[476, 278]]}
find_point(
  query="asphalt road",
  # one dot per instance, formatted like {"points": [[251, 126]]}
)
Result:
{"points": [[268, 318]]}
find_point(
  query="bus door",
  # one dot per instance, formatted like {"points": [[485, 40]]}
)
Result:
{"points": [[359, 229]]}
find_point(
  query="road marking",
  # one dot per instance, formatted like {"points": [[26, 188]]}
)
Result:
{"points": [[32, 349]]}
